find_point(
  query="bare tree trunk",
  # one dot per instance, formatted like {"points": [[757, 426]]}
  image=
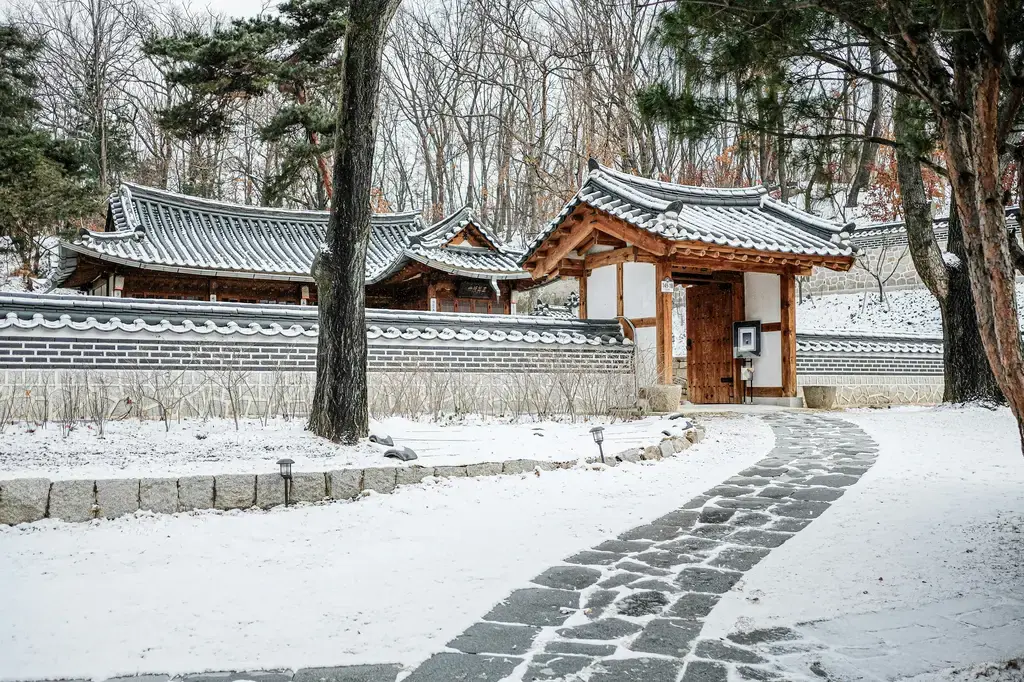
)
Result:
{"points": [[869, 149], [340, 410], [967, 374]]}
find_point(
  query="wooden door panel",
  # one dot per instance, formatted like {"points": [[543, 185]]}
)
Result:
{"points": [[709, 342]]}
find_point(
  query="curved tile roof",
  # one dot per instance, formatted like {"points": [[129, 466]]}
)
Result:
{"points": [[162, 230], [85, 313], [746, 217]]}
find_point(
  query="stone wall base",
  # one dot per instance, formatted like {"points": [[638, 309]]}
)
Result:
{"points": [[877, 391]]}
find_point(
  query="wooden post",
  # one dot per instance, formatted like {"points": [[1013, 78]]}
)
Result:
{"points": [[583, 295], [787, 305], [619, 306], [663, 323], [739, 313]]}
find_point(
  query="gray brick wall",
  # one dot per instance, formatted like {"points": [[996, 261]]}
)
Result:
{"points": [[894, 364], [63, 352]]}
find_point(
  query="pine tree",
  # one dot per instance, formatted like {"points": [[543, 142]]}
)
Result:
{"points": [[45, 184], [295, 53], [798, 42]]}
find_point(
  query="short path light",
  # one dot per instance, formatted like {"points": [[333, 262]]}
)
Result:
{"points": [[598, 433], [286, 474]]}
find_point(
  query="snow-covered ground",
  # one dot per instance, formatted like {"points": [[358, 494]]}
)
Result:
{"points": [[388, 578], [133, 448], [907, 311], [934, 528]]}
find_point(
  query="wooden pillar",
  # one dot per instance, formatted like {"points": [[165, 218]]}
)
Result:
{"points": [[739, 313], [663, 323], [583, 295], [787, 301], [619, 305]]}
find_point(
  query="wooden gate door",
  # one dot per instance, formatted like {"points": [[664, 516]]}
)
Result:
{"points": [[709, 361]]}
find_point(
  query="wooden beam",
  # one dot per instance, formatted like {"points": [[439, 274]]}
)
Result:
{"points": [[768, 392], [619, 306], [739, 314], [616, 256], [583, 296], [633, 235], [641, 322], [576, 235], [787, 305], [663, 324], [588, 243], [771, 327]]}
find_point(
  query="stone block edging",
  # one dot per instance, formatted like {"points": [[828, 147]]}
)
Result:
{"points": [[24, 500]]}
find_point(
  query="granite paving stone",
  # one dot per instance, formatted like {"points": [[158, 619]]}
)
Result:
{"points": [[495, 638], [596, 602], [801, 510], [818, 494], [623, 546], [646, 603], [606, 628], [448, 667], [699, 579], [705, 671], [693, 605], [716, 514], [636, 669], [555, 666], [739, 558], [717, 650], [651, 532], [654, 584], [591, 558], [568, 577], [620, 579], [762, 636], [349, 673], [759, 538], [582, 648], [535, 606], [635, 567], [667, 636]]}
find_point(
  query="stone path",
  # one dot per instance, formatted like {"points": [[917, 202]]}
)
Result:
{"points": [[632, 608]]}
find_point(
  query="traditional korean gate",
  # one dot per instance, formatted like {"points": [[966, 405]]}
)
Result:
{"points": [[709, 361]]}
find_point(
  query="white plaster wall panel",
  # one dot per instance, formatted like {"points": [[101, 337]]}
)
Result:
{"points": [[601, 294], [761, 297], [639, 289], [768, 367], [646, 356]]}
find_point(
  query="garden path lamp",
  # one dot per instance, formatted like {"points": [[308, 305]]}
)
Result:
{"points": [[286, 474], [598, 433]]}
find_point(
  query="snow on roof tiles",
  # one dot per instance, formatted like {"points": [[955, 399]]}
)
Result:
{"points": [[173, 232], [737, 217]]}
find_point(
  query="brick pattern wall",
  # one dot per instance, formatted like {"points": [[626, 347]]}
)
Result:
{"points": [[901, 364], [64, 352]]}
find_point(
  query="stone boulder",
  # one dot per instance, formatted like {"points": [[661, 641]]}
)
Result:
{"points": [[160, 495], [413, 474], [195, 492], [664, 397], [309, 486], [820, 397], [270, 490], [234, 491], [72, 501], [23, 500], [117, 497], [345, 483], [379, 479]]}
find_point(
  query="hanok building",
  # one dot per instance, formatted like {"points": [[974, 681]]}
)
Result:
{"points": [[159, 244], [631, 240]]}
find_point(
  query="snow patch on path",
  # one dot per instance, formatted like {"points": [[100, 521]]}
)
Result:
{"points": [[388, 578], [936, 524]]}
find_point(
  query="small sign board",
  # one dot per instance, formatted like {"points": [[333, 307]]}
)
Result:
{"points": [[746, 339], [667, 286]]}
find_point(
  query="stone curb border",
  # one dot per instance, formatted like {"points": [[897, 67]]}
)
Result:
{"points": [[24, 500]]}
